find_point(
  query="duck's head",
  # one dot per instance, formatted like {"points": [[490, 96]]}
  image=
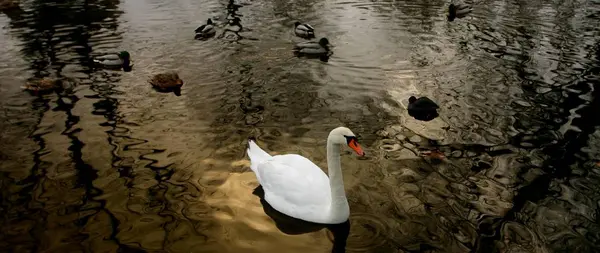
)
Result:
{"points": [[124, 55], [179, 82], [171, 77], [412, 99], [209, 22], [344, 136], [451, 12], [297, 24], [324, 42]]}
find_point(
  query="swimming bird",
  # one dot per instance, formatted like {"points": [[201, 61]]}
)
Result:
{"points": [[297, 187], [422, 108], [313, 47], [43, 85], [458, 10], [167, 82], [49, 84], [304, 30], [205, 31], [120, 60]]}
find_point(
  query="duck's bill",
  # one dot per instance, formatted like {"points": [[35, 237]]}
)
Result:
{"points": [[354, 145]]}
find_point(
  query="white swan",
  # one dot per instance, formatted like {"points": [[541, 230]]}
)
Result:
{"points": [[297, 187]]}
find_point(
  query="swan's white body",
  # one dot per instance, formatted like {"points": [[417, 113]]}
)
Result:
{"points": [[297, 187]]}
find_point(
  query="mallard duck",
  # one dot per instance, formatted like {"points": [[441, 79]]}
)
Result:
{"points": [[120, 60], [304, 30], [422, 108], [458, 10], [167, 82], [205, 31], [313, 47]]}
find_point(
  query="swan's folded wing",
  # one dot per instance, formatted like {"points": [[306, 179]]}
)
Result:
{"points": [[295, 186]]}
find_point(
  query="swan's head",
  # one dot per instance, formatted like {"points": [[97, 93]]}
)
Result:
{"points": [[343, 135]]}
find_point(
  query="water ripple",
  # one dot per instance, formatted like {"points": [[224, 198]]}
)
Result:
{"points": [[511, 164]]}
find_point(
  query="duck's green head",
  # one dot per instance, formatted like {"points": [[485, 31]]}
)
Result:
{"points": [[412, 99], [324, 42], [124, 55], [297, 24]]}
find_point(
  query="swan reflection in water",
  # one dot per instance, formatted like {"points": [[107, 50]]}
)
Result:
{"points": [[292, 226]]}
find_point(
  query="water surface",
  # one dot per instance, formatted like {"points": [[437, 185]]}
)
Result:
{"points": [[113, 166]]}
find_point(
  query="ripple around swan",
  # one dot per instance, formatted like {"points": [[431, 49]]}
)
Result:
{"points": [[367, 232]]}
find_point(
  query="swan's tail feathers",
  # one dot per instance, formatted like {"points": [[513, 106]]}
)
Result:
{"points": [[256, 154]]}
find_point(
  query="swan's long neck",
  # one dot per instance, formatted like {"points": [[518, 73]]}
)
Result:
{"points": [[339, 203]]}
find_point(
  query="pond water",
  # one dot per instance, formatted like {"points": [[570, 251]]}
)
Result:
{"points": [[114, 166]]}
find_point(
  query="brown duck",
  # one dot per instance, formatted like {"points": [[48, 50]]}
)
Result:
{"points": [[167, 82], [48, 84]]}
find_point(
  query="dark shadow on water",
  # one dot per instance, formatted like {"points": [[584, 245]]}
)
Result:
{"points": [[564, 152], [176, 91], [293, 226], [234, 23], [321, 57], [14, 14], [48, 29]]}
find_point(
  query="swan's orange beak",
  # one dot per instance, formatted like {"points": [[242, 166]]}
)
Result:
{"points": [[354, 145]]}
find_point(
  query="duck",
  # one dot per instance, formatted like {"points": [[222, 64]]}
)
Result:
{"points": [[120, 60], [167, 82], [422, 108], [205, 31], [313, 48], [42, 85], [304, 30], [458, 10], [48, 84], [295, 186]]}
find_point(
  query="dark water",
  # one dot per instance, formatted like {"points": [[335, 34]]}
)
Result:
{"points": [[113, 166]]}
